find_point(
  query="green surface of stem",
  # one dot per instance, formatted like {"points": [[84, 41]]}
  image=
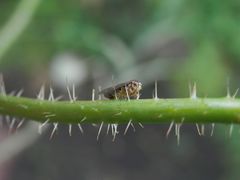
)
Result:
{"points": [[199, 110]]}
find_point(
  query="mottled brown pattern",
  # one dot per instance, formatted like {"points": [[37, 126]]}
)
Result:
{"points": [[125, 90]]}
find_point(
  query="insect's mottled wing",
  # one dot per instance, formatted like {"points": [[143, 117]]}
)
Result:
{"points": [[111, 91], [118, 86]]}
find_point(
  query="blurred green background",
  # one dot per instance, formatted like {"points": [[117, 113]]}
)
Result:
{"points": [[94, 43]]}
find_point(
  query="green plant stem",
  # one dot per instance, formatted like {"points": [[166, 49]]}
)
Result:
{"points": [[199, 110]]}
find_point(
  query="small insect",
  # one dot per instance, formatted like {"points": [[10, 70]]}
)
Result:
{"points": [[127, 90]]}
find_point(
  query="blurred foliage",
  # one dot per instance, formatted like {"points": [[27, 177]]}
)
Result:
{"points": [[82, 26], [69, 25], [206, 68]]}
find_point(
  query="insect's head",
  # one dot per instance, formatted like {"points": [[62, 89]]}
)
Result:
{"points": [[137, 84]]}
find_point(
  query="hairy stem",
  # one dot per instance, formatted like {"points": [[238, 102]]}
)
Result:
{"points": [[199, 110]]}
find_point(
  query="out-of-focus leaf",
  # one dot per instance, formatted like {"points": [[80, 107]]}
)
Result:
{"points": [[205, 67]]}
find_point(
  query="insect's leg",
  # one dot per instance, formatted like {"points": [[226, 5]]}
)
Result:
{"points": [[115, 94], [138, 96], [127, 92]]}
